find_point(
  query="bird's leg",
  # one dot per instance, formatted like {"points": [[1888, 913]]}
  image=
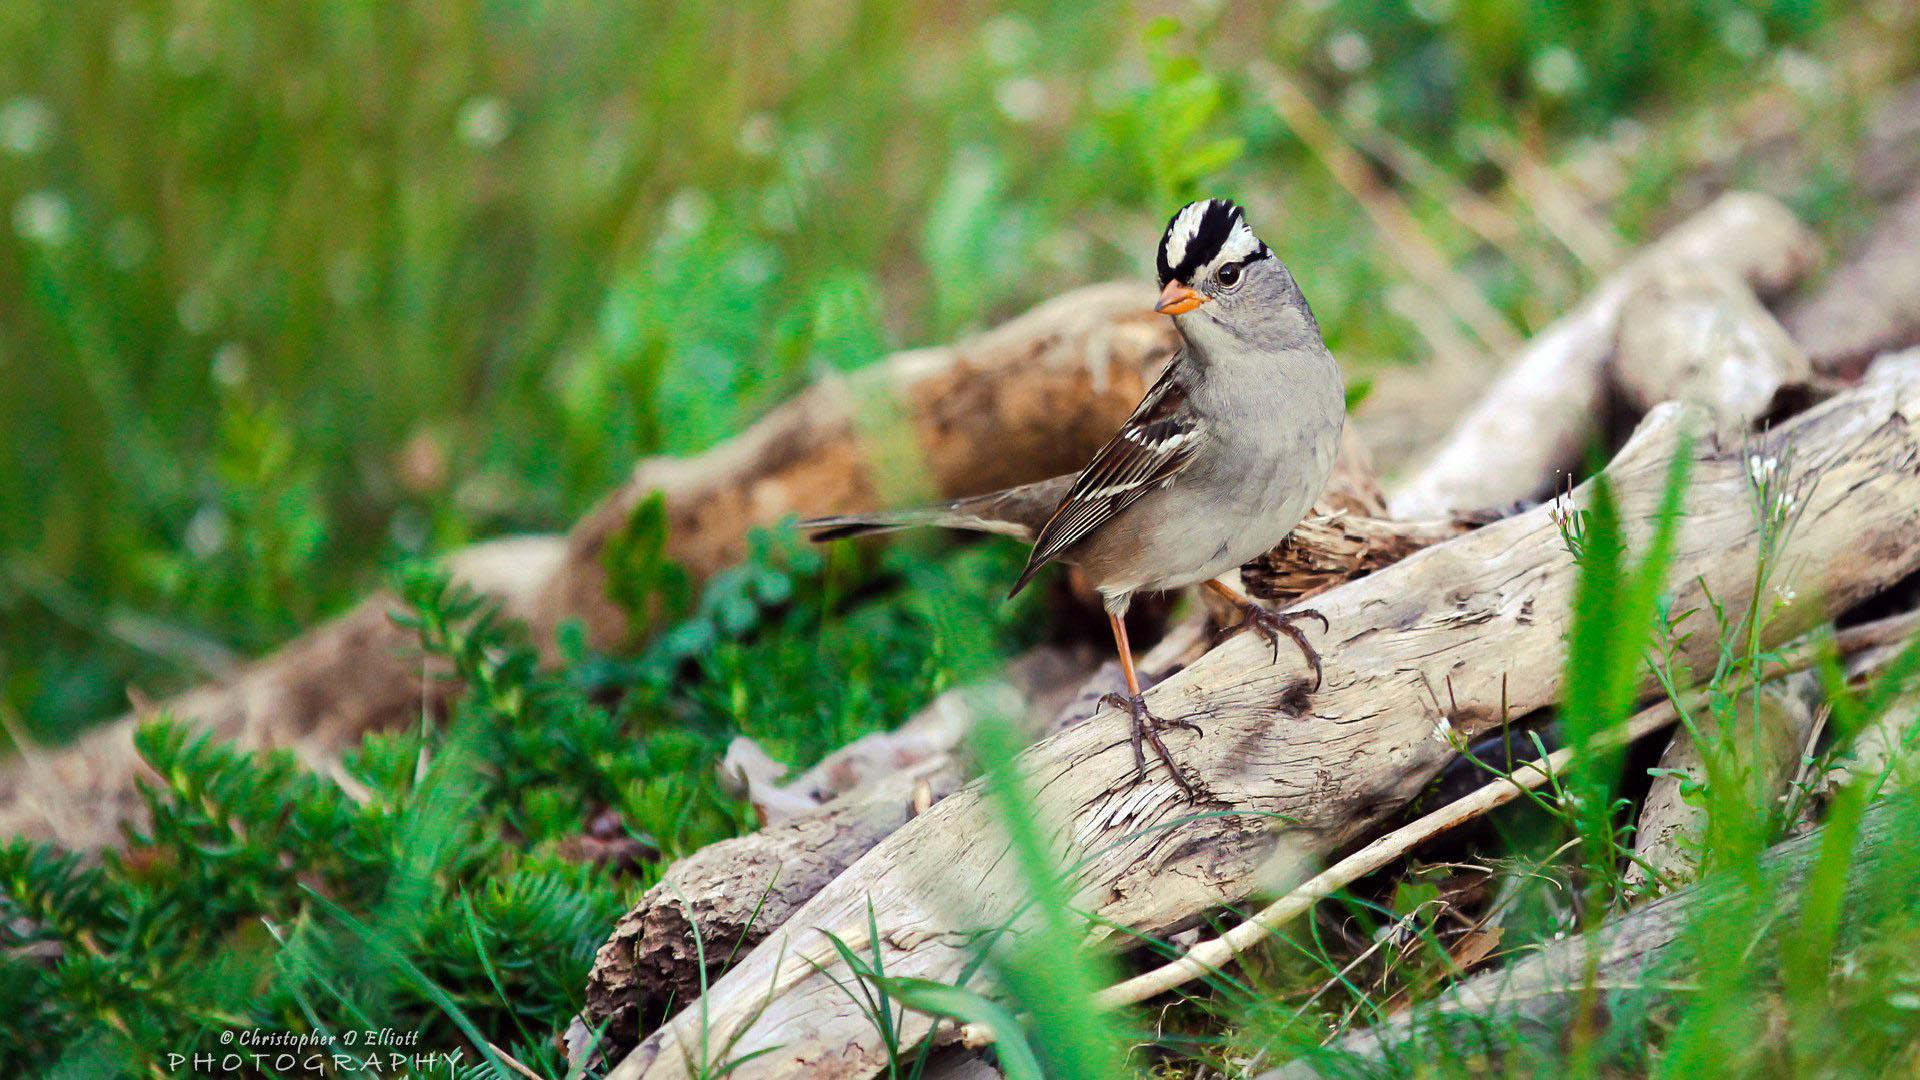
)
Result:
{"points": [[1272, 624], [1146, 726]]}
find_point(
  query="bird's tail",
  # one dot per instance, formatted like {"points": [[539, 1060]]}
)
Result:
{"points": [[952, 515], [1018, 512]]}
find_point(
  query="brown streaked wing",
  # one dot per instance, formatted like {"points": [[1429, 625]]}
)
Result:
{"points": [[1153, 445]]}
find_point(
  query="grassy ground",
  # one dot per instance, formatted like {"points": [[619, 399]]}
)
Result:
{"points": [[292, 294]]}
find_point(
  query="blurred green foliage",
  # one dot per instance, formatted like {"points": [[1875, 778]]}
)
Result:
{"points": [[288, 292]]}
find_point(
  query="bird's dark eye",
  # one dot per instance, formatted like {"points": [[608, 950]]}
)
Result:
{"points": [[1229, 275]]}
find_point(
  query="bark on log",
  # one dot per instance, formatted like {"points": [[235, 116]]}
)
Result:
{"points": [[1871, 303], [1034, 397], [1034, 685], [1031, 399], [734, 893], [1451, 635], [1886, 752], [316, 696], [1544, 989], [1537, 418], [1329, 550]]}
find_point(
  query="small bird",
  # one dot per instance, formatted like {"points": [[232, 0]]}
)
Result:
{"points": [[1217, 464]]}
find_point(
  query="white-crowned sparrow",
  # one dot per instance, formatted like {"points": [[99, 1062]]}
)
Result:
{"points": [[1221, 459]]}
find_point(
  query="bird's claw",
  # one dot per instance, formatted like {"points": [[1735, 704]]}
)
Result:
{"points": [[1272, 624], [1146, 729]]}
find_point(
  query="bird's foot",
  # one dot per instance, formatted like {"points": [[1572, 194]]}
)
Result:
{"points": [[1146, 729], [1272, 624]]}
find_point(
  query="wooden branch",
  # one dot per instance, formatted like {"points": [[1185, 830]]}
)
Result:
{"points": [[728, 896], [1671, 829], [1447, 636], [1030, 399], [1871, 304], [316, 696], [1544, 989], [1209, 956], [1034, 686], [1886, 752], [1537, 418], [1329, 550], [1696, 333], [650, 957]]}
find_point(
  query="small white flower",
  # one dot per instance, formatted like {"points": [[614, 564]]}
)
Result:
{"points": [[1803, 74], [1023, 99], [1008, 40], [25, 124], [1558, 71], [759, 135], [230, 364], [207, 531], [484, 122], [1743, 34], [43, 217], [688, 211], [1443, 730], [1349, 52]]}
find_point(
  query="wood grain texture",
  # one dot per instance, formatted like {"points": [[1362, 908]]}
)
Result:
{"points": [[1442, 638], [1537, 417]]}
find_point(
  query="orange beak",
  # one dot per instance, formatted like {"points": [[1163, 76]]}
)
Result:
{"points": [[1178, 299]]}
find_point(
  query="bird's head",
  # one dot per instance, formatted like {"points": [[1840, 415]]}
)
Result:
{"points": [[1209, 258]]}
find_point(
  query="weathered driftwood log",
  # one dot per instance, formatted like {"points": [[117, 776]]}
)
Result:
{"points": [[1538, 417], [316, 696], [1696, 333], [1638, 950], [1327, 550], [1454, 635], [728, 896], [1032, 398], [1034, 685], [651, 956], [1764, 749], [1884, 754], [1872, 302]]}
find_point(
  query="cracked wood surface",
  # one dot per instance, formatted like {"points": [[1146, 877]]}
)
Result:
{"points": [[743, 889], [1470, 623], [1539, 415]]}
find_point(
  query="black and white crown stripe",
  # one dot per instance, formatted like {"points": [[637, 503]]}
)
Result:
{"points": [[1204, 236]]}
